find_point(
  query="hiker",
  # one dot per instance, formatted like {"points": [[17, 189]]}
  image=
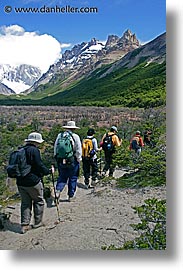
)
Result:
{"points": [[89, 158], [136, 143], [68, 162], [109, 142], [148, 140], [30, 187]]}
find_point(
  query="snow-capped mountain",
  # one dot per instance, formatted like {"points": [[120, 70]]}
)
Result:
{"points": [[83, 58], [74, 64], [19, 78], [4, 90]]}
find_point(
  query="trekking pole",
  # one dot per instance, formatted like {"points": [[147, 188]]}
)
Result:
{"points": [[100, 163], [56, 201]]}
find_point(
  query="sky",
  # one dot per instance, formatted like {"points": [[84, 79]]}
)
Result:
{"points": [[48, 28]]}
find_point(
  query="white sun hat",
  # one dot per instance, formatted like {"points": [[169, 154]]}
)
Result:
{"points": [[70, 125], [36, 137], [114, 128]]}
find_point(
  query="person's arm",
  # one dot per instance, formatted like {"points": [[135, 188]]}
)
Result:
{"points": [[39, 164], [95, 145], [141, 143], [56, 144], [116, 141], [77, 147]]}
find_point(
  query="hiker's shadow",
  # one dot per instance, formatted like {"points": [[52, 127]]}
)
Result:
{"points": [[12, 226], [81, 185]]}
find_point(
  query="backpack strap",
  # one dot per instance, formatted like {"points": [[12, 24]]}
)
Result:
{"points": [[70, 135], [72, 139]]}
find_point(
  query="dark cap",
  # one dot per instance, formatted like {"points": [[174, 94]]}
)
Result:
{"points": [[90, 132]]}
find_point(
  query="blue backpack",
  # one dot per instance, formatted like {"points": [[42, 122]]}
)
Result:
{"points": [[135, 143]]}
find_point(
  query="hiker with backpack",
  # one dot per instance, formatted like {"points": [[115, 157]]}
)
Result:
{"points": [[109, 142], [27, 167], [136, 143], [68, 154], [148, 139], [89, 158]]}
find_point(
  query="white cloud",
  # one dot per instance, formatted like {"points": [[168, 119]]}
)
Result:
{"points": [[18, 46], [66, 45]]}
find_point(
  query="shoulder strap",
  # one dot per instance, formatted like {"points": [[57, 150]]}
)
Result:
{"points": [[71, 135]]}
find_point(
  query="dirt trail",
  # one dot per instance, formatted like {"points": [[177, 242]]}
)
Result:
{"points": [[96, 218]]}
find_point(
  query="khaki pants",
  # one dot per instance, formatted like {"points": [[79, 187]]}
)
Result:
{"points": [[31, 197]]}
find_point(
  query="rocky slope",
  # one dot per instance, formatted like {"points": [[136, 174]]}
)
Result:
{"points": [[154, 51], [4, 90]]}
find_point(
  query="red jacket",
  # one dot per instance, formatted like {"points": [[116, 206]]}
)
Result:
{"points": [[141, 143]]}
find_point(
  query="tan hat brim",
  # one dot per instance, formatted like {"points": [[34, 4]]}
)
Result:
{"points": [[70, 127], [33, 140]]}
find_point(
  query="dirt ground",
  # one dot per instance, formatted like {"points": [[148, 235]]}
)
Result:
{"points": [[98, 217]]}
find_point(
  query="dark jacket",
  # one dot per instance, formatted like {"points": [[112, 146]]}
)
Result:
{"points": [[38, 169]]}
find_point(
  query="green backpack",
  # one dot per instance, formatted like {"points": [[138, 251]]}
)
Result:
{"points": [[64, 148]]}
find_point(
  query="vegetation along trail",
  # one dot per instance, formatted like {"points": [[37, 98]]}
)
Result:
{"points": [[101, 218]]}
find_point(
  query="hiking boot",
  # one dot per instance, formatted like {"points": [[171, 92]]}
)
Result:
{"points": [[38, 225], [90, 186], [71, 199], [25, 228], [94, 183], [103, 174]]}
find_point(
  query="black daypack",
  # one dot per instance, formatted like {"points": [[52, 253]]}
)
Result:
{"points": [[135, 143], [108, 145], [18, 166]]}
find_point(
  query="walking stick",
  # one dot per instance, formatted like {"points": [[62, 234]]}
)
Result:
{"points": [[56, 200], [100, 163]]}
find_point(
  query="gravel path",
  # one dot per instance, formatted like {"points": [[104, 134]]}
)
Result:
{"points": [[96, 218]]}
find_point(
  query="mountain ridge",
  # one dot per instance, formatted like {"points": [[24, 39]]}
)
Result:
{"points": [[138, 79], [85, 57]]}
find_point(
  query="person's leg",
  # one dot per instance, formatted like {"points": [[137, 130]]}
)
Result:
{"points": [[26, 205], [72, 183], [138, 152], [108, 160], [107, 164], [62, 179], [94, 166], [111, 166], [86, 171], [36, 193]]}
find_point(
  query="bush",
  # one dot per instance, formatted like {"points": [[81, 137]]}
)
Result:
{"points": [[152, 228]]}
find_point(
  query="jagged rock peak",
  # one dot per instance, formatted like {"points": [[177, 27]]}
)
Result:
{"points": [[93, 41], [111, 40], [130, 37]]}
